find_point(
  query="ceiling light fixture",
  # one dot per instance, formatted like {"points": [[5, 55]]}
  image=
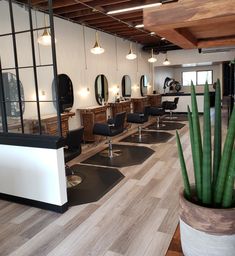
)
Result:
{"points": [[134, 8], [139, 26], [166, 62], [152, 59], [45, 38], [131, 55], [97, 49]]}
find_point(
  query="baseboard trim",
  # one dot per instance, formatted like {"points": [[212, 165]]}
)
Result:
{"points": [[51, 207]]}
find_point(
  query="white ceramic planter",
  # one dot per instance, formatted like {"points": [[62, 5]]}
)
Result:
{"points": [[198, 243], [206, 231]]}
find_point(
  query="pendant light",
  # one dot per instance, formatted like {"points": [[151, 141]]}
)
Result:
{"points": [[45, 38], [131, 55], [166, 62], [152, 59], [97, 49]]}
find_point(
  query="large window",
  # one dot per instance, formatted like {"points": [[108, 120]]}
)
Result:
{"points": [[198, 77]]}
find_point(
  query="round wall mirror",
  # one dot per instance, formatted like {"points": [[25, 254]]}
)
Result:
{"points": [[11, 95], [65, 93], [143, 85], [126, 86], [101, 89]]}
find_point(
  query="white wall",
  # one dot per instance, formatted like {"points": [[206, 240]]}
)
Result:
{"points": [[160, 74], [70, 60]]}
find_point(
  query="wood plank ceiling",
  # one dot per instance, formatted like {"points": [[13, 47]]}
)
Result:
{"points": [[194, 23], [93, 13]]}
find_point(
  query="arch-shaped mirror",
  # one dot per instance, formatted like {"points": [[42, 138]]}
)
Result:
{"points": [[11, 95], [126, 86], [143, 85], [65, 92], [101, 89]]}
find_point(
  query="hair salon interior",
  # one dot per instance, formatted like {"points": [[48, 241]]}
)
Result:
{"points": [[91, 95]]}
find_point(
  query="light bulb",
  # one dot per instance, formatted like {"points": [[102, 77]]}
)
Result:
{"points": [[97, 49], [45, 38]]}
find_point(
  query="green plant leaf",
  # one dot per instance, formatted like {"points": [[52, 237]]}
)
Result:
{"points": [[229, 183], [187, 189], [197, 176], [217, 133], [197, 141], [206, 162], [225, 160]]}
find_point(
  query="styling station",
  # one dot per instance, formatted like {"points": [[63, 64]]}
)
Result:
{"points": [[95, 101]]}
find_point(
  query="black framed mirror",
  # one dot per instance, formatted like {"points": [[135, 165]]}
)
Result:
{"points": [[101, 89], [65, 93], [126, 86], [143, 85], [11, 95]]}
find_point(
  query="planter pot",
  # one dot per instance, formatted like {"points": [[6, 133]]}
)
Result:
{"points": [[206, 231]]}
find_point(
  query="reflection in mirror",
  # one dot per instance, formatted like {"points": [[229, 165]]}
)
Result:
{"points": [[101, 89], [126, 86], [65, 93], [11, 95], [143, 85]]}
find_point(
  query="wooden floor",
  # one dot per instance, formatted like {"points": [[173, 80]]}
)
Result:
{"points": [[138, 217]]}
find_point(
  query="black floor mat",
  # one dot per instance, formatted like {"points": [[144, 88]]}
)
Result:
{"points": [[130, 155], [166, 126], [96, 181], [148, 137]]}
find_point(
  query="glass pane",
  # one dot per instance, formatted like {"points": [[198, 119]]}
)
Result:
{"points": [[49, 118], [13, 123], [45, 79], [31, 118], [188, 77], [7, 52], [11, 94], [203, 76], [24, 49]]}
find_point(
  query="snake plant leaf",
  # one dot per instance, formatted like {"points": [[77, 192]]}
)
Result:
{"points": [[197, 141], [217, 132], [225, 160], [187, 189], [196, 175], [206, 162], [229, 183]]}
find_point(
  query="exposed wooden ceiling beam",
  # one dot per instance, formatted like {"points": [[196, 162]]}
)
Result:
{"points": [[216, 42], [180, 23]]}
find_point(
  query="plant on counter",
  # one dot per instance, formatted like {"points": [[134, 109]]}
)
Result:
{"points": [[213, 186]]}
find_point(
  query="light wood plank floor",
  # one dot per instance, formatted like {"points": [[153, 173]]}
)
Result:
{"points": [[138, 217]]}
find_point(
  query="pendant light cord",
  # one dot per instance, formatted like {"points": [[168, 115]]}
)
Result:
{"points": [[84, 45]]}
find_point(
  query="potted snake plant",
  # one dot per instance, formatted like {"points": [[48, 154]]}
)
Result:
{"points": [[207, 212]]}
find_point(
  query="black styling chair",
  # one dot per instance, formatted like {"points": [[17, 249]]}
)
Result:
{"points": [[112, 128], [72, 149], [158, 112], [139, 118], [170, 105]]}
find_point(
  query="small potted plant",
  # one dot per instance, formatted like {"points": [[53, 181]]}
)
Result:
{"points": [[207, 213]]}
